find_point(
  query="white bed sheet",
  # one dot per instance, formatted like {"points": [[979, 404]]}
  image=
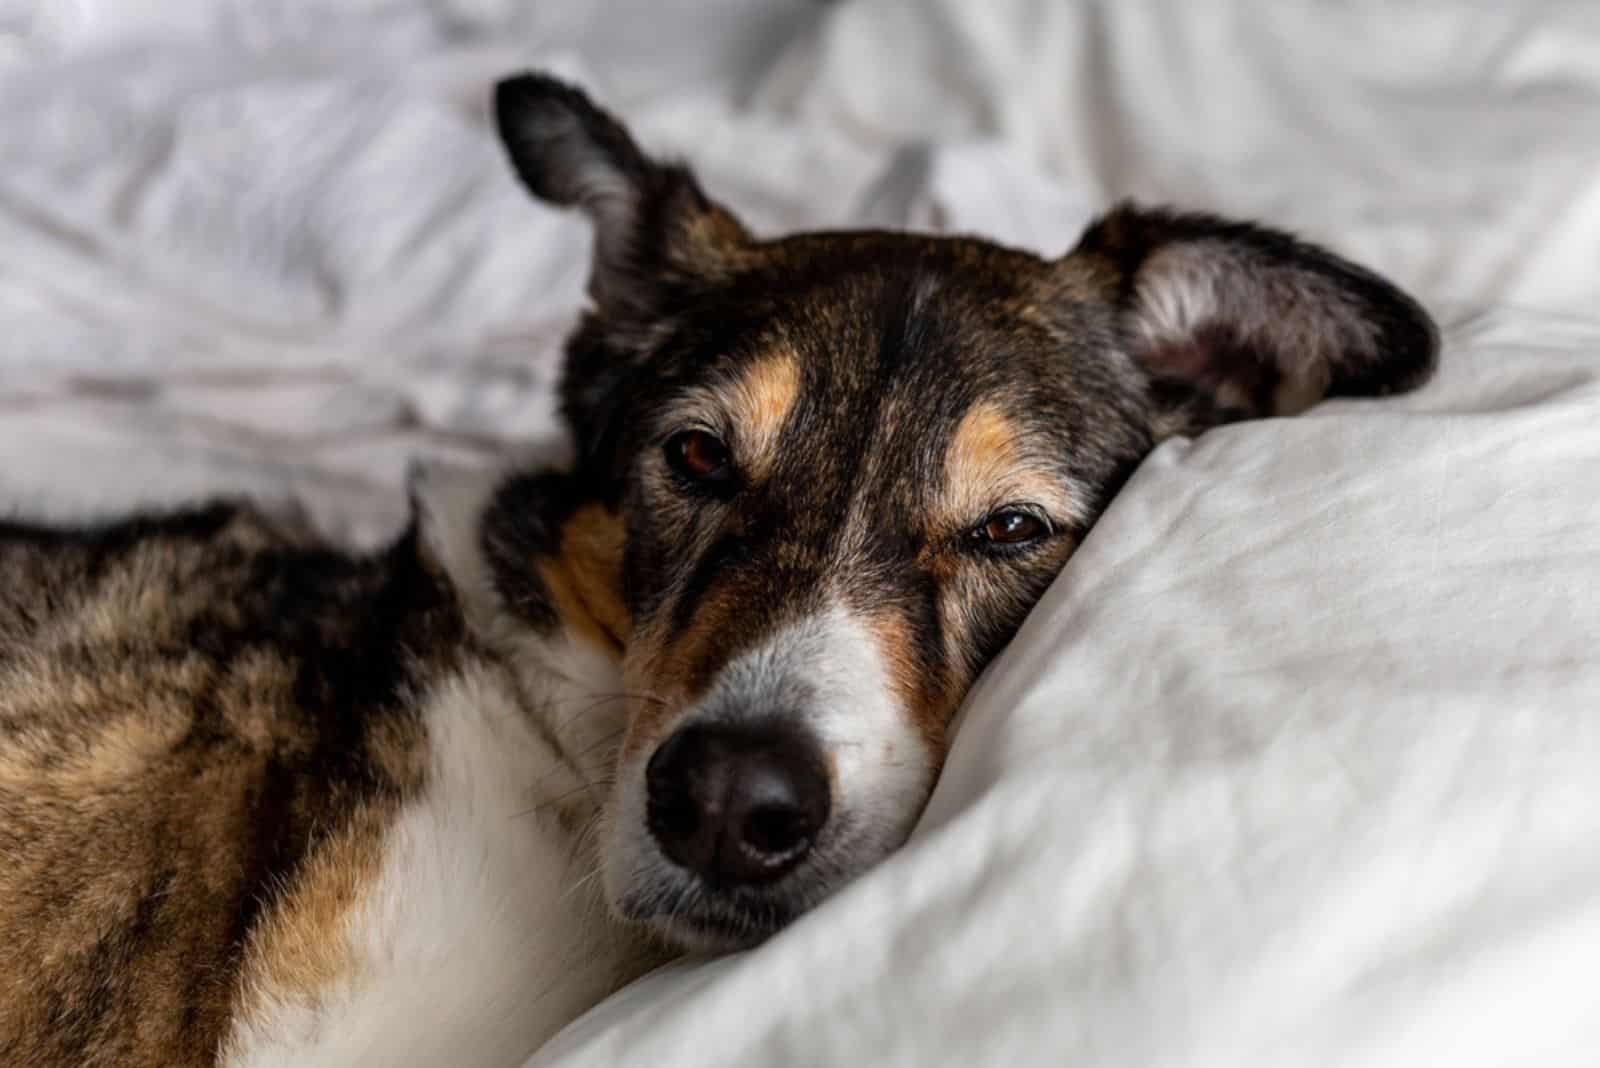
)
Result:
{"points": [[1294, 763]]}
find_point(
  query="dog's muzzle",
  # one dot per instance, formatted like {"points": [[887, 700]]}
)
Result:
{"points": [[795, 770]]}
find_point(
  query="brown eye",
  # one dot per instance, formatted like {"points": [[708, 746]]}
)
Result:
{"points": [[1010, 527], [700, 456]]}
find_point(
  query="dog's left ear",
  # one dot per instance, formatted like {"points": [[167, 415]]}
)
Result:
{"points": [[655, 231], [1231, 320]]}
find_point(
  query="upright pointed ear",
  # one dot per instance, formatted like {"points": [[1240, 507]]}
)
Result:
{"points": [[1234, 321], [654, 228]]}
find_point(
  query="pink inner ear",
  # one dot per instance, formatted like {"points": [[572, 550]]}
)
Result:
{"points": [[1214, 357], [1197, 304], [1253, 318], [1176, 358]]}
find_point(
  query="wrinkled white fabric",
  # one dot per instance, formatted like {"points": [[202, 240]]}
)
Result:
{"points": [[1294, 765]]}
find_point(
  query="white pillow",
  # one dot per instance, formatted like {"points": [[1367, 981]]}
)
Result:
{"points": [[1297, 763]]}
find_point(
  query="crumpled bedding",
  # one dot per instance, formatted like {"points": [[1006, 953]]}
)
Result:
{"points": [[1294, 763]]}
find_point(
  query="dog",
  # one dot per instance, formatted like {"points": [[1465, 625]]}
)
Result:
{"points": [[265, 803]]}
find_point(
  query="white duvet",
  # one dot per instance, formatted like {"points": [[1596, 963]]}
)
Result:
{"points": [[1299, 761]]}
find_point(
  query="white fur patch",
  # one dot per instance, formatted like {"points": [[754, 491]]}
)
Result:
{"points": [[482, 934], [883, 769], [1178, 294]]}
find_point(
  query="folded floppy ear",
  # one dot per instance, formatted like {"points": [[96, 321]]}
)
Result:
{"points": [[654, 228], [1234, 321]]}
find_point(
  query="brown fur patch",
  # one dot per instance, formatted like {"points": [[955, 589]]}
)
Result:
{"points": [[982, 454], [760, 402], [585, 578], [925, 700], [303, 947], [983, 448]]}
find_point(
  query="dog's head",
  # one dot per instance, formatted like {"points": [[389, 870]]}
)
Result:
{"points": [[846, 465]]}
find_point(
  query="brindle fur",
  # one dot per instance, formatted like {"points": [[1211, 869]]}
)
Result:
{"points": [[189, 707], [199, 714]]}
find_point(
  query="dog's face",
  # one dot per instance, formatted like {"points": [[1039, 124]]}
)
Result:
{"points": [[847, 465]]}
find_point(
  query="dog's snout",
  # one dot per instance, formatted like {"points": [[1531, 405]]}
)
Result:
{"points": [[737, 805]]}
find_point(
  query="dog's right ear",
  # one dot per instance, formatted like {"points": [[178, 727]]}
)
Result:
{"points": [[655, 231]]}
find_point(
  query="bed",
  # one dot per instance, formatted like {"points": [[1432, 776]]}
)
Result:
{"points": [[1296, 763]]}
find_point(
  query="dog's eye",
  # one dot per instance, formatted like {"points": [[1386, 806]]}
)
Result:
{"points": [[700, 456], [1009, 527]]}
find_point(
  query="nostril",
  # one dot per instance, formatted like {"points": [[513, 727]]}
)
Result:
{"points": [[673, 815], [780, 800], [674, 810], [774, 832]]}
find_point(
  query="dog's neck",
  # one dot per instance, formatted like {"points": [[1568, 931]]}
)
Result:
{"points": [[563, 651]]}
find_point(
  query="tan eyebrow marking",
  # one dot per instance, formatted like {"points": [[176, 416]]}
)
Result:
{"points": [[986, 465], [759, 401], [984, 443], [982, 454]]}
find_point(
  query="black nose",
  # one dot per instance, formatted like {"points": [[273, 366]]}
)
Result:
{"points": [[738, 805]]}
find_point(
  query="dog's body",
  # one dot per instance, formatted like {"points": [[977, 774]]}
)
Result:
{"points": [[265, 804]]}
